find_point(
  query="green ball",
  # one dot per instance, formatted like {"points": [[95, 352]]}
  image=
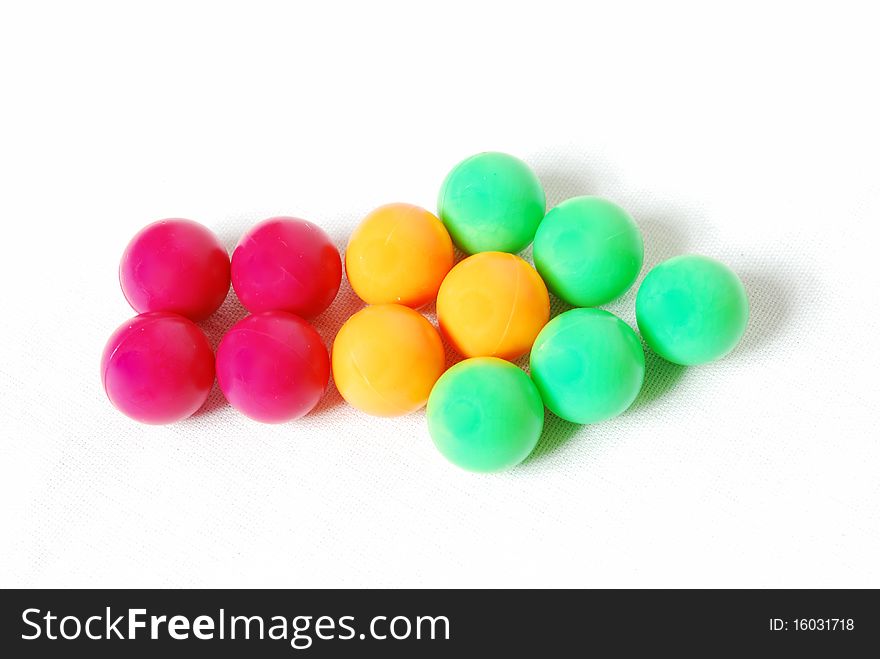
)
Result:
{"points": [[485, 414], [589, 251], [491, 202], [692, 310], [588, 365]]}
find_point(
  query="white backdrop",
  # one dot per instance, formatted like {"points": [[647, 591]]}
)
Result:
{"points": [[749, 134]]}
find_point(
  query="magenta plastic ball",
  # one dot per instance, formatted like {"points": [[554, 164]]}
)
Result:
{"points": [[273, 366], [158, 368], [175, 265], [286, 264]]}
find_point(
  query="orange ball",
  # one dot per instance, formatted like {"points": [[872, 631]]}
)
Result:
{"points": [[400, 253], [492, 304], [386, 359]]}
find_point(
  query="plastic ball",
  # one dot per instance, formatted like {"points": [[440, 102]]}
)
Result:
{"points": [[692, 310], [588, 365], [491, 202], [399, 254], [589, 251], [386, 358], [158, 368], [286, 264], [492, 305], [175, 265], [273, 367], [485, 414]]}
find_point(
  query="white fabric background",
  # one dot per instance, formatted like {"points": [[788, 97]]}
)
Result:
{"points": [[749, 134]]}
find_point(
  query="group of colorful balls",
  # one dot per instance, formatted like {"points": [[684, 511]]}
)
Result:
{"points": [[485, 413]]}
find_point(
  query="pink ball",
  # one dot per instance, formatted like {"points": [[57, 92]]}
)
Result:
{"points": [[175, 265], [273, 366], [158, 368], [286, 264]]}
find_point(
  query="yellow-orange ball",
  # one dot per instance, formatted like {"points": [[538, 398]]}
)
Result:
{"points": [[492, 304], [386, 359], [398, 254]]}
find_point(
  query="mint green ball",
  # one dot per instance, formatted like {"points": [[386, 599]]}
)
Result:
{"points": [[589, 251], [588, 365], [485, 414], [692, 310], [491, 202]]}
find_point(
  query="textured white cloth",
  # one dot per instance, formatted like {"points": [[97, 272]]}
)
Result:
{"points": [[747, 134]]}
